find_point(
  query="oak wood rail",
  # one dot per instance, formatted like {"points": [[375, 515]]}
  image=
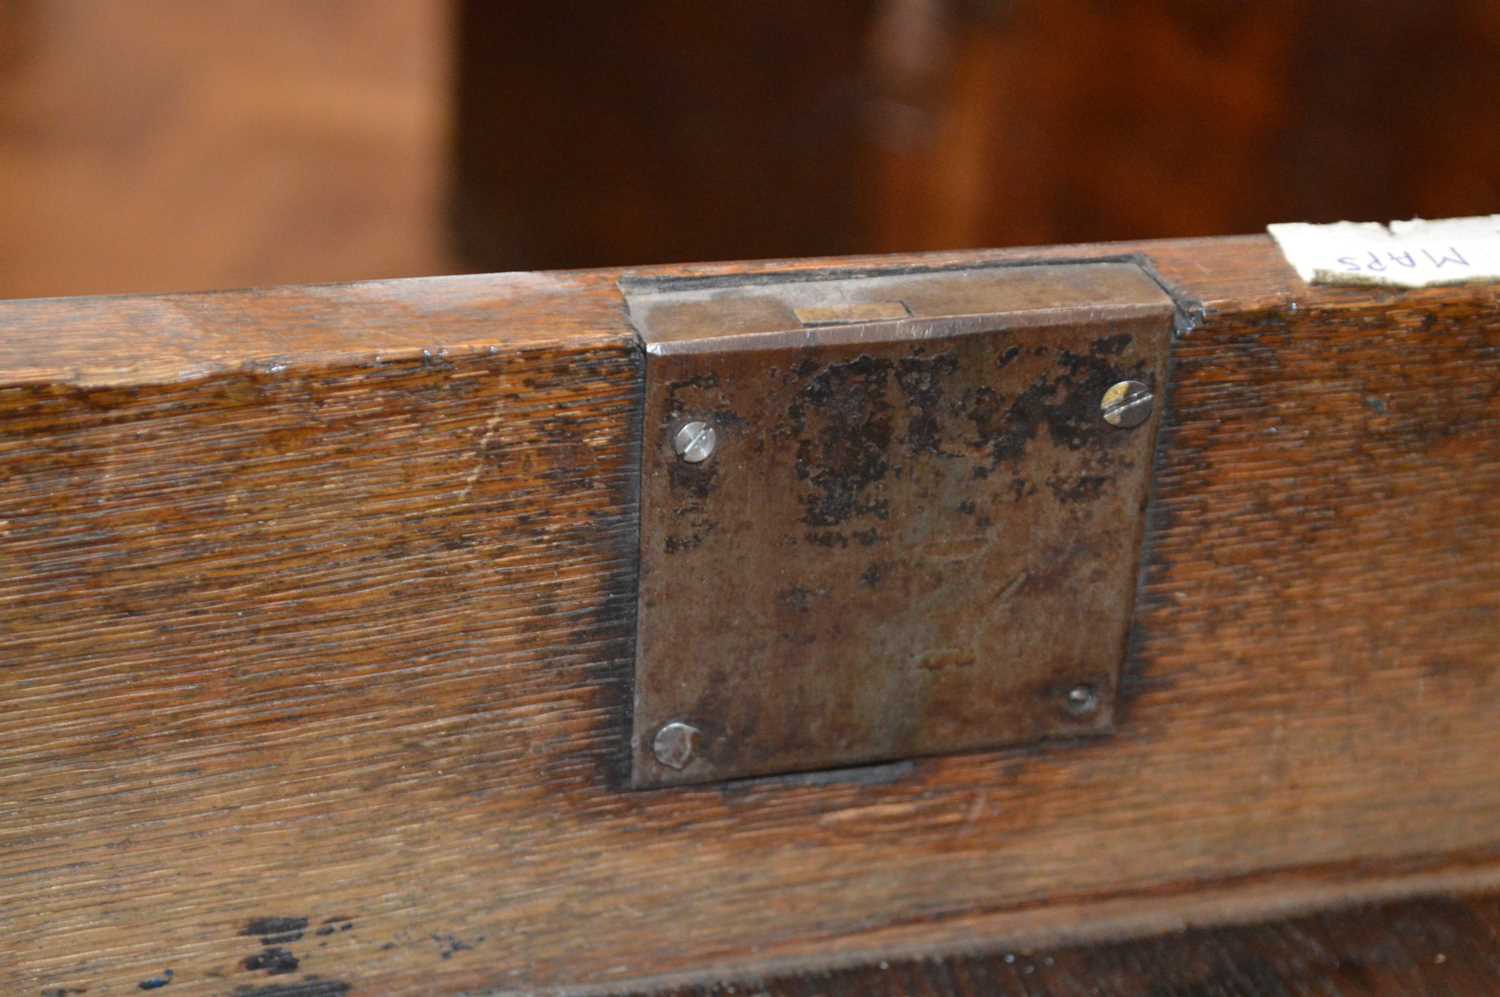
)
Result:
{"points": [[318, 630]]}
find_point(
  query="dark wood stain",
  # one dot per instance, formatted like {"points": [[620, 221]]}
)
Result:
{"points": [[272, 960], [304, 988], [1420, 947], [274, 930], [299, 620]]}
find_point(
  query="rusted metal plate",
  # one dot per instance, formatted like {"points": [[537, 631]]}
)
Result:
{"points": [[914, 532]]}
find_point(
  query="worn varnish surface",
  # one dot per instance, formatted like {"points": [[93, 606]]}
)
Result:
{"points": [[316, 646]]}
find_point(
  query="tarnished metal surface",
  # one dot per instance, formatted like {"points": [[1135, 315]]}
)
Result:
{"points": [[915, 535]]}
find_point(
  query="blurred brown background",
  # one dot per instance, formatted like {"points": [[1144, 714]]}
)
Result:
{"points": [[170, 144]]}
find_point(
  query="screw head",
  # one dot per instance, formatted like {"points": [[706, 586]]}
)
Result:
{"points": [[1082, 700], [695, 442], [1126, 404], [675, 744]]}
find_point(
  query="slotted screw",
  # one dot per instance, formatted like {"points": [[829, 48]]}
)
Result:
{"points": [[1081, 700], [1126, 404], [695, 442], [675, 744]]}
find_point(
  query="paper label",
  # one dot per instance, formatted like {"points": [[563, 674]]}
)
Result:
{"points": [[1414, 253]]}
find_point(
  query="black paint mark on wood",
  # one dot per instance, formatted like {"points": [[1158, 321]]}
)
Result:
{"points": [[275, 961], [276, 930], [449, 944], [156, 982], [290, 936]]}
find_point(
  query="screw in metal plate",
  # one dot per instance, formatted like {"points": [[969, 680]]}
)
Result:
{"points": [[1126, 404], [695, 442], [1081, 700], [674, 744]]}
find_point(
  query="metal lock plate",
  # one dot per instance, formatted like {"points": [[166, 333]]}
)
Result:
{"points": [[884, 515]]}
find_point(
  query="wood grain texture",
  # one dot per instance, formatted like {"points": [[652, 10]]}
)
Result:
{"points": [[1431, 946], [318, 614]]}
